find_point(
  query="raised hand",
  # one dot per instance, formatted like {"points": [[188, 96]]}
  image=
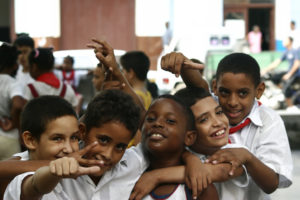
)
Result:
{"points": [[174, 62], [80, 156], [68, 167]]}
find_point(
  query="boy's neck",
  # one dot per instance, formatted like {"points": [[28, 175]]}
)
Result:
{"points": [[164, 161], [138, 85]]}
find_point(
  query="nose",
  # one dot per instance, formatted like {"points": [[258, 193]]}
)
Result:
{"points": [[233, 100], [158, 122], [107, 153], [67, 147], [216, 122]]}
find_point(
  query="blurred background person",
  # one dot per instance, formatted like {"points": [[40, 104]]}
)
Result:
{"points": [[254, 38]]}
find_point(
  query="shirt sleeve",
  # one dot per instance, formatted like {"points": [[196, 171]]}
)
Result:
{"points": [[273, 148], [14, 188]]}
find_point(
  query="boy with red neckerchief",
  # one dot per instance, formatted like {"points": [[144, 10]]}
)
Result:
{"points": [[237, 86]]}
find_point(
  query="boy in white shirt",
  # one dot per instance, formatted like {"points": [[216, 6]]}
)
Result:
{"points": [[11, 102], [237, 86]]}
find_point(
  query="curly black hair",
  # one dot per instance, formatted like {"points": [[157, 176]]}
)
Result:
{"points": [[112, 105]]}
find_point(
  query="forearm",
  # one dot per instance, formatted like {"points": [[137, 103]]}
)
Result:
{"points": [[263, 176], [11, 168], [174, 174], [192, 77], [220, 172], [42, 182]]}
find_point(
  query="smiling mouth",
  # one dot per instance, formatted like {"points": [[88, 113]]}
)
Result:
{"points": [[219, 133], [155, 136]]}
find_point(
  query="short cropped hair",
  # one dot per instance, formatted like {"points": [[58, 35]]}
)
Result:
{"points": [[138, 61], [40, 111], [112, 106], [24, 40], [189, 116], [191, 95], [240, 63], [8, 56], [43, 58], [70, 58]]}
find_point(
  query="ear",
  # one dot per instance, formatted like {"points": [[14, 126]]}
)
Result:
{"points": [[131, 74], [82, 129], [29, 141], [190, 138], [214, 85], [260, 90]]}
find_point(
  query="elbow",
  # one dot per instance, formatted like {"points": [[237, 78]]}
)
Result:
{"points": [[272, 187]]}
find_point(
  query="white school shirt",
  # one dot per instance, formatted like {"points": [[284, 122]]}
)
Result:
{"points": [[115, 184], [23, 78], [78, 74], [233, 189], [179, 193], [267, 139], [9, 89], [45, 89]]}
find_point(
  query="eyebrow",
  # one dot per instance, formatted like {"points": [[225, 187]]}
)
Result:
{"points": [[217, 107]]}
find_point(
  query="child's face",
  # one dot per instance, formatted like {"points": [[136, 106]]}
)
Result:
{"points": [[113, 138], [98, 78], [60, 138], [67, 65], [164, 127], [23, 56], [236, 94], [211, 123]]}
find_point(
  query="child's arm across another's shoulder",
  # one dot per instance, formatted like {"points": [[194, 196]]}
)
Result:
{"points": [[264, 177]]}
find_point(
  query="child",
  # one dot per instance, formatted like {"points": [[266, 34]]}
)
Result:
{"points": [[111, 119], [11, 103], [49, 130], [98, 77], [135, 66], [237, 86], [41, 63], [168, 127], [24, 45], [212, 135]]}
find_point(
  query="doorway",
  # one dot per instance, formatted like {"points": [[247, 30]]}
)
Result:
{"points": [[261, 17]]}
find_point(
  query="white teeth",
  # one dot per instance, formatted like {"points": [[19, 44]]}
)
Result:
{"points": [[156, 135], [220, 132]]}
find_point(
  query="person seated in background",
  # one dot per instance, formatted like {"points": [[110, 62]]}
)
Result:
{"points": [[285, 79], [135, 65]]}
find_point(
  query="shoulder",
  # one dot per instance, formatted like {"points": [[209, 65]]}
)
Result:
{"points": [[268, 115]]}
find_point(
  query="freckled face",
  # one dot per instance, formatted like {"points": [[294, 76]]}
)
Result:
{"points": [[113, 138], [236, 94], [211, 123]]}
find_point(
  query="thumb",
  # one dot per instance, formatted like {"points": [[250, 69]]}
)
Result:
{"points": [[88, 170]]}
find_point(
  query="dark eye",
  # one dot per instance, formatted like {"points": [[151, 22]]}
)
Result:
{"points": [[219, 112], [103, 139], [243, 93], [121, 147], [150, 119], [223, 92], [57, 138], [203, 119], [75, 137], [171, 121]]}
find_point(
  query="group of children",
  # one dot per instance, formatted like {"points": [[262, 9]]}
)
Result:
{"points": [[242, 145]]}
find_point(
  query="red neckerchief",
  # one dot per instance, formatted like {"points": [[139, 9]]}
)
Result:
{"points": [[70, 77], [234, 129], [50, 79]]}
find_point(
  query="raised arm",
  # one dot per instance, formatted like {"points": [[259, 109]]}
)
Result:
{"points": [[105, 54], [178, 64], [270, 67]]}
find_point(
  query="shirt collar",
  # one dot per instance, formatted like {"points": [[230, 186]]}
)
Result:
{"points": [[254, 114]]}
